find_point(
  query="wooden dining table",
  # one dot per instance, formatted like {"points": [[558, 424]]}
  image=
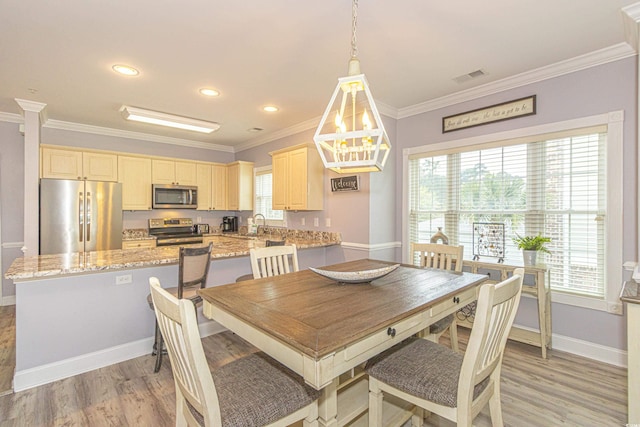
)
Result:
{"points": [[322, 329]]}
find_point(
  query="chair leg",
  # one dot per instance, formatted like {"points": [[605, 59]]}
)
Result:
{"points": [[375, 404], [495, 408], [453, 335], [157, 348], [417, 419]]}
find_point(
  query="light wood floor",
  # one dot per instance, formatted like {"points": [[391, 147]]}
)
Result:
{"points": [[7, 347], [564, 390]]}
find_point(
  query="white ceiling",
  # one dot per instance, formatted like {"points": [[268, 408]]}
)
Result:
{"points": [[283, 52]]}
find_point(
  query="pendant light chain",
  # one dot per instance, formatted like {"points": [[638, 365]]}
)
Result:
{"points": [[354, 24]]}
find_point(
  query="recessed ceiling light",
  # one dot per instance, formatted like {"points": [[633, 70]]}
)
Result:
{"points": [[209, 92], [164, 119], [270, 108], [125, 70]]}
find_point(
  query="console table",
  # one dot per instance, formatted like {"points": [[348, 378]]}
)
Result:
{"points": [[539, 289]]}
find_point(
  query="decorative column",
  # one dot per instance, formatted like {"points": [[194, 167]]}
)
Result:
{"points": [[32, 112], [631, 19]]}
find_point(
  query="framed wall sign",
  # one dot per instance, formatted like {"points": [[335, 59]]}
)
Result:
{"points": [[345, 183], [494, 113]]}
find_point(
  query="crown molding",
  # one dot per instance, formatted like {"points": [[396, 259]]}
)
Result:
{"points": [[97, 130], [599, 57], [11, 118]]}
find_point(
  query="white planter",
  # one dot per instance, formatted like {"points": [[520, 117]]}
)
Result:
{"points": [[530, 257]]}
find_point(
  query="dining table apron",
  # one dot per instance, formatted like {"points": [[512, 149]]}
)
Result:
{"points": [[320, 328]]}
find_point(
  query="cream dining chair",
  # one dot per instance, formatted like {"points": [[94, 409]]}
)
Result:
{"points": [[443, 257], [193, 269], [251, 391], [442, 381], [273, 260]]}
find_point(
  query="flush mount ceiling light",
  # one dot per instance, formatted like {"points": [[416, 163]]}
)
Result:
{"points": [[356, 140], [125, 70], [164, 119], [270, 108]]}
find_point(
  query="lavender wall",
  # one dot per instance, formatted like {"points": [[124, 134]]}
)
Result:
{"points": [[596, 90], [11, 198]]}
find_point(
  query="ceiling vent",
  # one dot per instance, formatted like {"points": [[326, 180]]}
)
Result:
{"points": [[472, 75]]}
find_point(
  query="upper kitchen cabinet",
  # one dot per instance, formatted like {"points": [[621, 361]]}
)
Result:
{"points": [[72, 164], [298, 179], [240, 186], [212, 186], [135, 175], [173, 172]]}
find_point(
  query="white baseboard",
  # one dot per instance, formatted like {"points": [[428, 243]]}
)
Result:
{"points": [[9, 300], [601, 353], [51, 372]]}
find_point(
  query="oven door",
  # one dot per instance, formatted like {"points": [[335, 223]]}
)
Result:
{"points": [[174, 196]]}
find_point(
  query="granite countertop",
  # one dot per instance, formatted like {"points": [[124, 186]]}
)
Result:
{"points": [[631, 292], [26, 268]]}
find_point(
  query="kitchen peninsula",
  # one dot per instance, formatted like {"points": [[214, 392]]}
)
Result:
{"points": [[79, 312]]}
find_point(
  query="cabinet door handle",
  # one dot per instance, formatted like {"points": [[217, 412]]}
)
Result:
{"points": [[391, 332], [456, 300]]}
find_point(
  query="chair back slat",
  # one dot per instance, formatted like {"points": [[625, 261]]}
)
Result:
{"points": [[495, 311], [273, 260], [436, 255], [193, 267]]}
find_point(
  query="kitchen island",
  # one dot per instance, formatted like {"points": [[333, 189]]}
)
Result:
{"points": [[78, 312]]}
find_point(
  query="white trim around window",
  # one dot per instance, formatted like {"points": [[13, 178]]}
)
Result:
{"points": [[613, 265]]}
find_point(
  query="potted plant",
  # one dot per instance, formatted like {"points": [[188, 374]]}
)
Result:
{"points": [[530, 246]]}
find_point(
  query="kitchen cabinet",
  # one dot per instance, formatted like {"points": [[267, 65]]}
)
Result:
{"points": [[173, 172], [211, 180], [240, 186], [298, 179], [135, 175], [73, 164], [139, 244]]}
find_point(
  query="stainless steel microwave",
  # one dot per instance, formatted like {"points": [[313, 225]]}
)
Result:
{"points": [[167, 196]]}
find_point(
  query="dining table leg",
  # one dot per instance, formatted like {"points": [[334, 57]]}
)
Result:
{"points": [[328, 405]]}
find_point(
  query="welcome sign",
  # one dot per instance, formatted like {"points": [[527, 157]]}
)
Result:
{"points": [[345, 183]]}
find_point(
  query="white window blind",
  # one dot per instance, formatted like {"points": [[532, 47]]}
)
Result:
{"points": [[263, 194], [553, 185]]}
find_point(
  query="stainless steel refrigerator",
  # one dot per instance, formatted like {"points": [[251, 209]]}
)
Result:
{"points": [[80, 216]]}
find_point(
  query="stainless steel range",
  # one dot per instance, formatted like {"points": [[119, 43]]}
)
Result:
{"points": [[173, 231]]}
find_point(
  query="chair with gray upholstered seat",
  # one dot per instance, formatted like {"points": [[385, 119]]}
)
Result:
{"points": [[193, 269], [440, 380], [443, 257], [273, 260], [251, 391]]}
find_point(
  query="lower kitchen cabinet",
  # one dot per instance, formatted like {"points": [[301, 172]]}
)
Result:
{"points": [[139, 244]]}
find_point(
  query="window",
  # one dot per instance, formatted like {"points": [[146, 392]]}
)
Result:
{"points": [[553, 184], [263, 194]]}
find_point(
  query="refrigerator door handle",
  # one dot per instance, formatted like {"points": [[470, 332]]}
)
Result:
{"points": [[88, 217], [80, 216]]}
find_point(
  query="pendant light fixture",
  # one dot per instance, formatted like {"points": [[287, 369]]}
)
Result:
{"points": [[351, 137]]}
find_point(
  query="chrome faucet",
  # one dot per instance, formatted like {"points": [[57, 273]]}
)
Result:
{"points": [[264, 220]]}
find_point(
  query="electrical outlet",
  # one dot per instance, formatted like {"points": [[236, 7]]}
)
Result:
{"points": [[124, 279], [316, 222], [199, 219], [302, 221], [327, 222]]}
